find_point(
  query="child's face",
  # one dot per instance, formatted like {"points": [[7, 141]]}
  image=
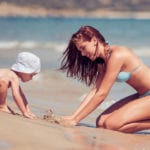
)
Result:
{"points": [[27, 76]]}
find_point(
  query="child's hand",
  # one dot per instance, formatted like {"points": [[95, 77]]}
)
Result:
{"points": [[29, 115], [29, 112]]}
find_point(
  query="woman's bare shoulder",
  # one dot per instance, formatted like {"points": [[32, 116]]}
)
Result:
{"points": [[122, 51], [120, 48]]}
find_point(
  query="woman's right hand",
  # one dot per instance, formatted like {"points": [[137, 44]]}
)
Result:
{"points": [[67, 117], [68, 121]]}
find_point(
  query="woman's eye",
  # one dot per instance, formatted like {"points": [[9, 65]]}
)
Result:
{"points": [[83, 48]]}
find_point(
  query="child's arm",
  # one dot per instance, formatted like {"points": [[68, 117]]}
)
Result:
{"points": [[20, 101], [26, 102]]}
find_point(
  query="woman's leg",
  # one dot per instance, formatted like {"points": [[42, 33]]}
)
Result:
{"points": [[131, 117], [134, 127], [101, 119]]}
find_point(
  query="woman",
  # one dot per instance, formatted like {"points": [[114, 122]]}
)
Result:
{"points": [[91, 59]]}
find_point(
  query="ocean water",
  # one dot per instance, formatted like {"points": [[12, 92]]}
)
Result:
{"points": [[48, 37]]}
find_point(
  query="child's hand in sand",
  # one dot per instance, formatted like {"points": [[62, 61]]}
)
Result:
{"points": [[6, 109], [33, 115], [29, 115], [29, 112]]}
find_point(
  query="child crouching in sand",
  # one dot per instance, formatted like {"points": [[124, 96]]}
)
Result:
{"points": [[27, 65]]}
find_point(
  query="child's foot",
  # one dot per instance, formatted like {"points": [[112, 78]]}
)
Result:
{"points": [[6, 109]]}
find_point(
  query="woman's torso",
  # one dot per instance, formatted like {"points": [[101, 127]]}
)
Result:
{"points": [[133, 70]]}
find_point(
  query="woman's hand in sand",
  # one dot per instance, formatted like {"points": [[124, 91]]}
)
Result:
{"points": [[68, 121], [68, 117]]}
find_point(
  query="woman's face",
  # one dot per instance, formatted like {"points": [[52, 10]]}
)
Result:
{"points": [[88, 48]]}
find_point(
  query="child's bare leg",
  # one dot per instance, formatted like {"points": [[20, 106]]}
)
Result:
{"points": [[3, 95]]}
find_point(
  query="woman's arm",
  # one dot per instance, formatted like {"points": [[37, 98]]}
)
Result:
{"points": [[89, 95], [113, 68], [85, 101], [95, 98]]}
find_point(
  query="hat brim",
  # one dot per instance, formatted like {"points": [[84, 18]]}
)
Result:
{"points": [[22, 68]]}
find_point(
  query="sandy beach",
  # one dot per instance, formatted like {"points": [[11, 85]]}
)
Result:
{"points": [[52, 90], [37, 11], [19, 133]]}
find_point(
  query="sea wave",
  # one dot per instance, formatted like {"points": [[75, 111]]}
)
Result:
{"points": [[31, 45], [142, 51], [57, 46]]}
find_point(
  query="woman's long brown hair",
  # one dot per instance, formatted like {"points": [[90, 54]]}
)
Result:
{"points": [[79, 66]]}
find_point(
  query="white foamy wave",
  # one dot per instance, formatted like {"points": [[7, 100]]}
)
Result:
{"points": [[28, 44], [142, 51], [103, 106], [82, 97], [32, 45], [57, 46], [107, 104], [8, 45]]}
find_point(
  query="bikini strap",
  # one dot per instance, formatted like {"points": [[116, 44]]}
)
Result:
{"points": [[135, 69]]}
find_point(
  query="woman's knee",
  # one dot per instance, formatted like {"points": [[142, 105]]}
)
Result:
{"points": [[109, 122], [112, 124], [100, 121]]}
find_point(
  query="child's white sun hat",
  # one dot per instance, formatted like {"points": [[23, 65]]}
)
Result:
{"points": [[27, 62]]}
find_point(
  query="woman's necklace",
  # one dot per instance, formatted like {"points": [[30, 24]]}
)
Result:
{"points": [[107, 52]]}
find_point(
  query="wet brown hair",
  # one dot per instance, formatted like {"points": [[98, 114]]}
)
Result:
{"points": [[79, 66]]}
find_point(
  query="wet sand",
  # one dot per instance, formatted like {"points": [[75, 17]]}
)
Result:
{"points": [[56, 93], [21, 133]]}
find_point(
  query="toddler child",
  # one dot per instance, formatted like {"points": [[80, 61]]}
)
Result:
{"points": [[27, 65]]}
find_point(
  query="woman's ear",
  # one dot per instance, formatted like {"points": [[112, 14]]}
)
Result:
{"points": [[94, 40]]}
